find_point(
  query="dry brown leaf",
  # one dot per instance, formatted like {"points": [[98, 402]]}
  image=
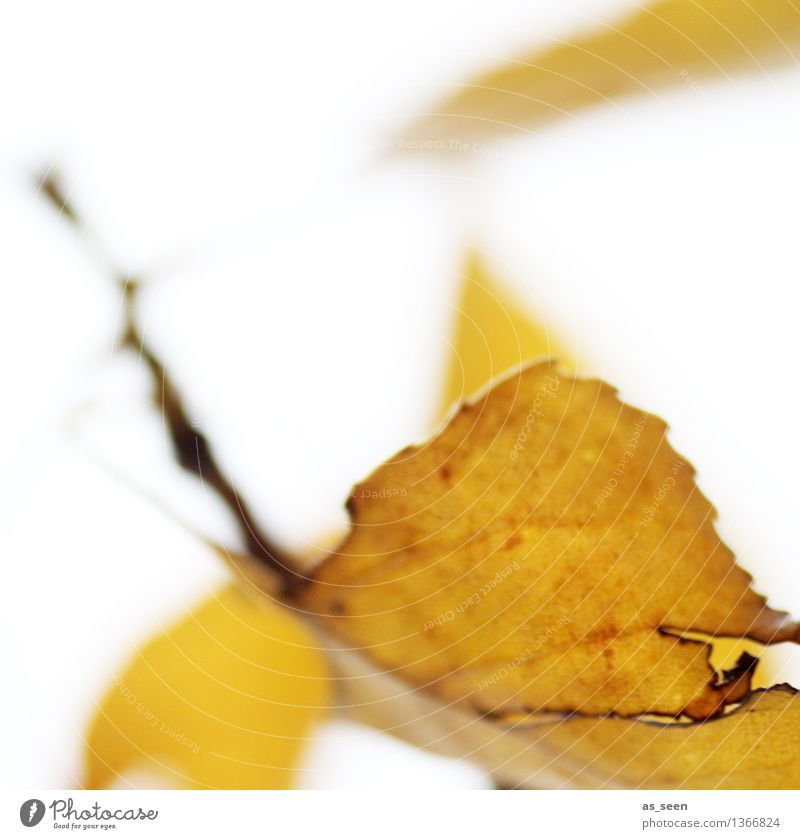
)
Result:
{"points": [[540, 555], [670, 43]]}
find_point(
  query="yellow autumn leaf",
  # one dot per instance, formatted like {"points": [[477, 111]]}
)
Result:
{"points": [[224, 699], [492, 333], [668, 43], [547, 509], [547, 555]]}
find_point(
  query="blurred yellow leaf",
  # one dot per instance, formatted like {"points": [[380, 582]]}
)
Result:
{"points": [[224, 699], [492, 333], [669, 43]]}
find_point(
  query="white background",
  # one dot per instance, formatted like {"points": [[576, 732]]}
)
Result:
{"points": [[302, 291]]}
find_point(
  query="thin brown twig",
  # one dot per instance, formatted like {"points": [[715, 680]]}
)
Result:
{"points": [[190, 446]]}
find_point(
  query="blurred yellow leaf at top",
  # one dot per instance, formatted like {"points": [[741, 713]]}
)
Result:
{"points": [[224, 699], [669, 43]]}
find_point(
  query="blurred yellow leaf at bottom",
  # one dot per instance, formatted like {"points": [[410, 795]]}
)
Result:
{"points": [[224, 699]]}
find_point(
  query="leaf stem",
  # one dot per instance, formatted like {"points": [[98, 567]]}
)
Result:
{"points": [[191, 448]]}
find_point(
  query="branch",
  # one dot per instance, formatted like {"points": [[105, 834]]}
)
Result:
{"points": [[190, 446]]}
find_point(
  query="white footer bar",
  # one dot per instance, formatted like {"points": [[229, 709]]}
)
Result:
{"points": [[329, 815]]}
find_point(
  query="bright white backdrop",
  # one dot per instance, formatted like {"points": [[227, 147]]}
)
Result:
{"points": [[302, 285]]}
